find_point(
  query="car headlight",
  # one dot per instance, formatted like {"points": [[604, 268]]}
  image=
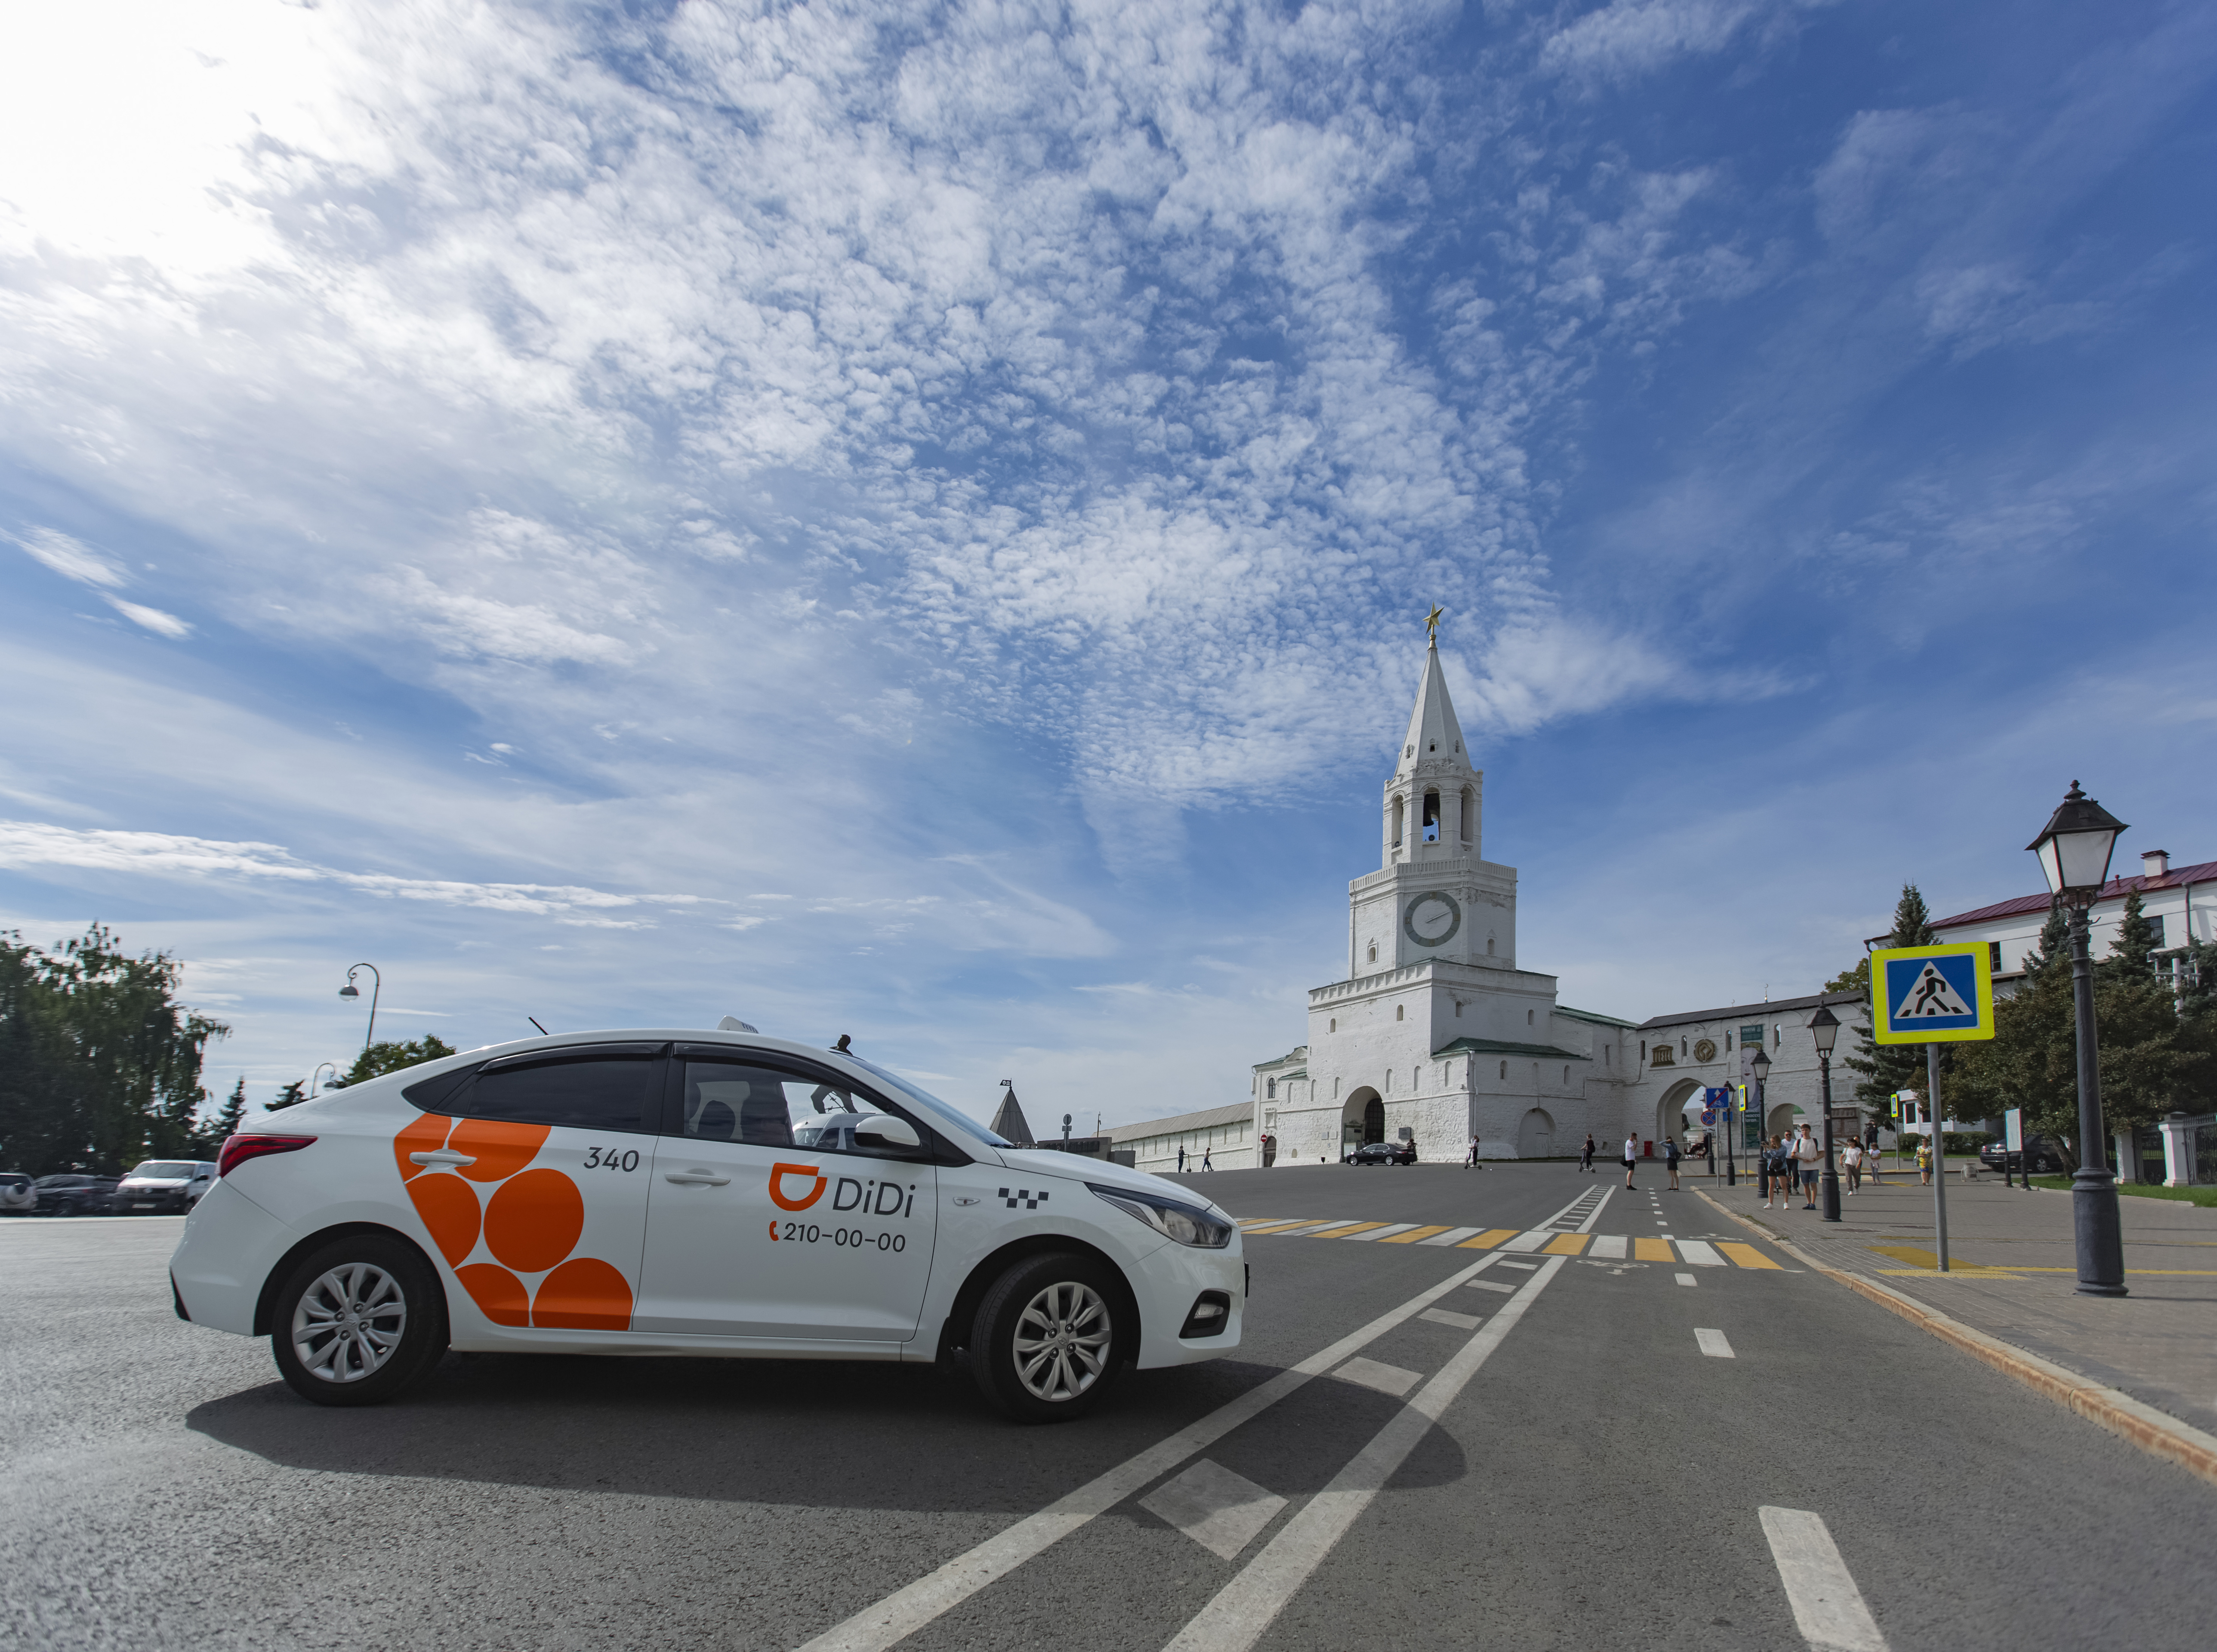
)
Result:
{"points": [[1184, 1224]]}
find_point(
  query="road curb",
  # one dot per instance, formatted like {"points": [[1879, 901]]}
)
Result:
{"points": [[2157, 1432]]}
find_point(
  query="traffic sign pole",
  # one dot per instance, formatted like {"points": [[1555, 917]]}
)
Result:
{"points": [[1939, 1150]]}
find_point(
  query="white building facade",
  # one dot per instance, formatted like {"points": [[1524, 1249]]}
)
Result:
{"points": [[1436, 1034]]}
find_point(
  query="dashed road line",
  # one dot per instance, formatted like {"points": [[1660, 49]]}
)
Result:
{"points": [[1713, 1343], [1828, 1607]]}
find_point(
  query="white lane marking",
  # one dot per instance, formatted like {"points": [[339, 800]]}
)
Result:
{"points": [[1220, 1510], [1607, 1247], [1306, 1227], [1525, 1267], [1381, 1233], [1524, 1241], [1828, 1608], [1451, 1237], [1494, 1285], [1245, 1606], [1683, 1278], [1698, 1254], [1447, 1316], [1594, 1215], [900, 1614], [1371, 1373], [1714, 1344]]}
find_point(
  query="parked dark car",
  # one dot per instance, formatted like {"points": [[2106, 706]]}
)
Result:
{"points": [[2047, 1159], [74, 1195], [1383, 1153]]}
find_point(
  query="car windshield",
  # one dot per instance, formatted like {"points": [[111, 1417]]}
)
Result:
{"points": [[164, 1170], [931, 1106]]}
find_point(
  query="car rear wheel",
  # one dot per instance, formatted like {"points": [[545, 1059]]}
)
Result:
{"points": [[1049, 1338], [358, 1320]]}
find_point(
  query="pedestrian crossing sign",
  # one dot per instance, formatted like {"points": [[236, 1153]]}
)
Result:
{"points": [[1931, 995]]}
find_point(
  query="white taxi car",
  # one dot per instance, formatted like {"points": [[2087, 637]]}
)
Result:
{"points": [[677, 1192]]}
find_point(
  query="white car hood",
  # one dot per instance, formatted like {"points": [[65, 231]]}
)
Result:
{"points": [[1073, 1166]]}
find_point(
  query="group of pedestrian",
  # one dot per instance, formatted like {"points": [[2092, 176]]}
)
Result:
{"points": [[1786, 1161], [1672, 1156]]}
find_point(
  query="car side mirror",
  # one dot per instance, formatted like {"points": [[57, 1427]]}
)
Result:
{"points": [[882, 1130]]}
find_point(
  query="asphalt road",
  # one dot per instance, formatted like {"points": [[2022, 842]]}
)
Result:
{"points": [[1567, 1468]]}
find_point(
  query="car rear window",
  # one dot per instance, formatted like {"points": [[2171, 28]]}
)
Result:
{"points": [[601, 1088]]}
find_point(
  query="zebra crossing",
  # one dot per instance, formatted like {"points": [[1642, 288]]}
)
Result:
{"points": [[1551, 1240]]}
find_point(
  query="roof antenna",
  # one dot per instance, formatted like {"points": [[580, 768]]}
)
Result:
{"points": [[841, 1048], [734, 1024], [543, 1032]]}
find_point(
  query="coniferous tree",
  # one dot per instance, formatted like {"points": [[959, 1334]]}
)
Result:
{"points": [[2136, 939], [288, 1095], [381, 1058], [226, 1125], [1884, 1069]]}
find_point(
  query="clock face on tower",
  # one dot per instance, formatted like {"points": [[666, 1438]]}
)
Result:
{"points": [[1432, 919]]}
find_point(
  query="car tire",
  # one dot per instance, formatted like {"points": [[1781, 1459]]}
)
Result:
{"points": [[1049, 1338], [363, 1358]]}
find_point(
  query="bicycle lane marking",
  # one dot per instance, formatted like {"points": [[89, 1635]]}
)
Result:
{"points": [[905, 1611], [1247, 1606]]}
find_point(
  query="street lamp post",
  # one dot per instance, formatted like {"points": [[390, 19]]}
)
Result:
{"points": [[1759, 1069], [376, 986], [1824, 1027], [316, 1081], [2074, 853]]}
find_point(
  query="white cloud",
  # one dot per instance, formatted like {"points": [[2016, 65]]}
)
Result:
{"points": [[72, 559], [153, 620], [1628, 38]]}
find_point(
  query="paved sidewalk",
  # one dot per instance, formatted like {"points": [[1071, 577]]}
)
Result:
{"points": [[2012, 1270]]}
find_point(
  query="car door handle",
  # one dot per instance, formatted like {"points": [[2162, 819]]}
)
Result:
{"points": [[443, 1157], [697, 1179]]}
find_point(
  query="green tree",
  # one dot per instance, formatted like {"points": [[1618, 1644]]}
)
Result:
{"points": [[290, 1096], [2136, 939], [100, 1066], [209, 1141], [1884, 1068], [1855, 980], [379, 1059]]}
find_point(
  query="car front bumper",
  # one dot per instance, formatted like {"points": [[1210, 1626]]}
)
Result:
{"points": [[1167, 1281]]}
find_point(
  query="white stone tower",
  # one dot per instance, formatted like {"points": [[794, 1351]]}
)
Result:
{"points": [[1436, 1035]]}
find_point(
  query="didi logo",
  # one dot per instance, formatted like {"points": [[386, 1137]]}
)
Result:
{"points": [[778, 1173]]}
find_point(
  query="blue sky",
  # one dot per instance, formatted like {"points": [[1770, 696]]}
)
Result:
{"points": [[914, 522]]}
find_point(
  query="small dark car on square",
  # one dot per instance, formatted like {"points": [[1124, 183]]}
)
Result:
{"points": [[70, 1195], [1383, 1153], [2046, 1159]]}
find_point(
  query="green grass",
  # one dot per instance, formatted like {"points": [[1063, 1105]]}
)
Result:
{"points": [[2205, 1197]]}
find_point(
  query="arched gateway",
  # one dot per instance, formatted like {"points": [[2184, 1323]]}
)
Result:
{"points": [[1362, 1120]]}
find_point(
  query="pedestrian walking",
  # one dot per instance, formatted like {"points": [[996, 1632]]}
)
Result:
{"points": [[1670, 1159], [1181, 1161], [1807, 1152], [1871, 1161], [1631, 1153], [1585, 1155], [1709, 1150], [1774, 1173], [1205, 1163], [1924, 1163], [1851, 1161], [1473, 1160]]}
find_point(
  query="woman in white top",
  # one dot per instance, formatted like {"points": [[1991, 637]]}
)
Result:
{"points": [[1851, 1161]]}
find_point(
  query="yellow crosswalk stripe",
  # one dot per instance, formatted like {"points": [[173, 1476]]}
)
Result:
{"points": [[1746, 1256], [1569, 1245], [1413, 1235], [1653, 1250], [1274, 1227], [1489, 1239], [1352, 1227]]}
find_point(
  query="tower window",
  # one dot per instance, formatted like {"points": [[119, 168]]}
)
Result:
{"points": [[1489, 946], [1458, 1009], [1528, 1018], [1504, 1069], [1271, 1089], [1431, 817], [1400, 808], [1397, 1012], [1469, 812], [1334, 1026], [1374, 951], [1567, 1074]]}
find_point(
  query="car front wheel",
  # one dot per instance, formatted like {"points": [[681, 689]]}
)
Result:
{"points": [[357, 1320], [1049, 1338]]}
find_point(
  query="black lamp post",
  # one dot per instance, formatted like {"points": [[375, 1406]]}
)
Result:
{"points": [[1824, 1027], [1760, 1070], [376, 985], [2074, 853]]}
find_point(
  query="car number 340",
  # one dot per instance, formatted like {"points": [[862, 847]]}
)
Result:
{"points": [[802, 1233], [599, 1158]]}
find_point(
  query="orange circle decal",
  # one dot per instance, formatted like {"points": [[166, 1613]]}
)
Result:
{"points": [[584, 1294], [449, 1207], [498, 1292], [425, 1135], [501, 1148], [532, 1221], [778, 1173]]}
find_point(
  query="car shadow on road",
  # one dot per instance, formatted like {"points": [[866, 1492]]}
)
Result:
{"points": [[814, 1435]]}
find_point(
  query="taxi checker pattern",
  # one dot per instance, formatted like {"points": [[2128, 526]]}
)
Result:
{"points": [[526, 1225], [1031, 1201]]}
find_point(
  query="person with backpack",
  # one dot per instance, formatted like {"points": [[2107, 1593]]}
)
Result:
{"points": [[1807, 1153], [1670, 1159], [1585, 1156]]}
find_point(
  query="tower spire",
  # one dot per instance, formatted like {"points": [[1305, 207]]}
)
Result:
{"points": [[1432, 799]]}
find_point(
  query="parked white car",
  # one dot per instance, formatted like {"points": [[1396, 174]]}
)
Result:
{"points": [[687, 1193], [162, 1186], [17, 1197]]}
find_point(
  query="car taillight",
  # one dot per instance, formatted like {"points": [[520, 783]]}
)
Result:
{"points": [[237, 1149]]}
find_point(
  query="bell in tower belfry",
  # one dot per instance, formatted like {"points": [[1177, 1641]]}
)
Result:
{"points": [[1432, 800]]}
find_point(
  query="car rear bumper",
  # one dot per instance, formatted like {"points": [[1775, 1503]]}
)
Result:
{"points": [[229, 1247]]}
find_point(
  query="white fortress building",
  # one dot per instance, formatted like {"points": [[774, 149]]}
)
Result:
{"points": [[1436, 1035]]}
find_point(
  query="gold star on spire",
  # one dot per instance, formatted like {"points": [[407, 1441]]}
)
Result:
{"points": [[1432, 624]]}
